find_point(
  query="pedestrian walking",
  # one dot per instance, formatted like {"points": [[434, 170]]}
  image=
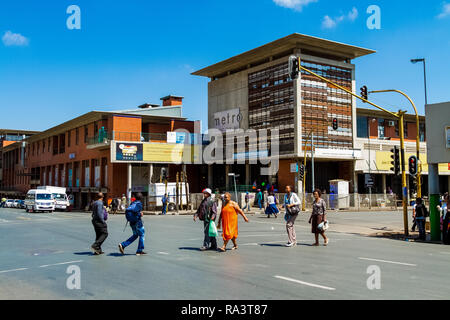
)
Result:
{"points": [[272, 206], [420, 215], [228, 220], [259, 198], [207, 212], [2, 204], [247, 202], [318, 218], [134, 216], [99, 217], [164, 201], [291, 204]]}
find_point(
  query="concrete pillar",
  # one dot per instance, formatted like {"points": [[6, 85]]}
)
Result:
{"points": [[383, 183], [247, 175], [129, 182], [210, 176], [433, 187], [227, 180]]}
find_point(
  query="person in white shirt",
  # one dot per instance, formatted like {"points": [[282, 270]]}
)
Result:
{"points": [[291, 204], [272, 206]]}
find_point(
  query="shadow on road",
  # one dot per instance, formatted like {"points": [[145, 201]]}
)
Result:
{"points": [[189, 248], [118, 254], [86, 253]]}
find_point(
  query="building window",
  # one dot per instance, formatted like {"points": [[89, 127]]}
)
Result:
{"points": [[69, 134], [381, 129], [77, 136], [86, 132], [49, 143], [43, 146], [362, 127]]}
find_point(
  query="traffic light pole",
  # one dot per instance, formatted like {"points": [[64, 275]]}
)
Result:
{"points": [[304, 174], [419, 173], [403, 165], [399, 115]]}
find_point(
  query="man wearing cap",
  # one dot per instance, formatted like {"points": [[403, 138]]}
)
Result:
{"points": [[207, 212]]}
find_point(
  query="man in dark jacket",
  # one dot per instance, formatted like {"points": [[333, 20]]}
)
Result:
{"points": [[99, 223], [207, 212], [137, 227]]}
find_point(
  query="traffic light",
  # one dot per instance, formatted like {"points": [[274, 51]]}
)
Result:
{"points": [[294, 67], [335, 124], [301, 171], [369, 182], [364, 93], [413, 165], [395, 156]]}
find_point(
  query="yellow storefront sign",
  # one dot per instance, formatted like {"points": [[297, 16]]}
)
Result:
{"points": [[168, 153], [383, 161]]}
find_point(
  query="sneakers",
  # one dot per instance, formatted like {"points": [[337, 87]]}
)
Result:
{"points": [[203, 248], [142, 253], [121, 249], [96, 251], [289, 245]]}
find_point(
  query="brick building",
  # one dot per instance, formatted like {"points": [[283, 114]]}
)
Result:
{"points": [[80, 154]]}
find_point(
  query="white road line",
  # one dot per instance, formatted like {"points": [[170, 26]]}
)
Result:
{"points": [[305, 283], [387, 261], [13, 270], [164, 253], [61, 263]]}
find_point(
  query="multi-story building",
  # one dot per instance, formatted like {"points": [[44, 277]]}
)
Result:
{"points": [[253, 90], [377, 134], [8, 137], [115, 152]]}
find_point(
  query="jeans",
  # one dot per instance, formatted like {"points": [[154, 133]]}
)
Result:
{"points": [[260, 204], [138, 232], [208, 240], [421, 224], [101, 233], [164, 209]]}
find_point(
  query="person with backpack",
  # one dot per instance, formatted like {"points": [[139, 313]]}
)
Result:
{"points": [[207, 212], [134, 215], [99, 217], [420, 216]]}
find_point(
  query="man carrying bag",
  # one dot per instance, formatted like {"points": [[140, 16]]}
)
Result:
{"points": [[207, 212]]}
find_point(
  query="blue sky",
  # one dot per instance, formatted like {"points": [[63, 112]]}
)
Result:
{"points": [[129, 53]]}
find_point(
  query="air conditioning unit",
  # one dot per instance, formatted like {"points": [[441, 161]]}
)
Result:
{"points": [[391, 123]]}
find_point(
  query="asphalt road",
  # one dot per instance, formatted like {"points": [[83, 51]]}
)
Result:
{"points": [[37, 249]]}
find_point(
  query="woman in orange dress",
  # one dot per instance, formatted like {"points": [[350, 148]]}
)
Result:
{"points": [[229, 221]]}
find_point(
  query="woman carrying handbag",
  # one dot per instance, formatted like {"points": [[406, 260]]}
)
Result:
{"points": [[291, 204], [318, 218]]}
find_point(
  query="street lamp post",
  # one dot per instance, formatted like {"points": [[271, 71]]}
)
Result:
{"points": [[414, 61]]}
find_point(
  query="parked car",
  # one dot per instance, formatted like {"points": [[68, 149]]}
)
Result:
{"points": [[16, 203], [9, 203], [21, 204]]}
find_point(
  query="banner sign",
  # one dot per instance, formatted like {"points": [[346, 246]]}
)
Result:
{"points": [[129, 152]]}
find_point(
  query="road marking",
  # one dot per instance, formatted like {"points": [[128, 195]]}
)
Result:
{"points": [[13, 270], [392, 262], [306, 283], [61, 263], [164, 253]]}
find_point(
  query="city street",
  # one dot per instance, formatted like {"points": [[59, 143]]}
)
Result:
{"points": [[37, 249]]}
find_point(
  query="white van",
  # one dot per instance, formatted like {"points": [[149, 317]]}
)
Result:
{"points": [[59, 195], [39, 200], [157, 190]]}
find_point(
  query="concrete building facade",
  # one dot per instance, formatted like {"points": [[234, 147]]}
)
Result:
{"points": [[253, 90]]}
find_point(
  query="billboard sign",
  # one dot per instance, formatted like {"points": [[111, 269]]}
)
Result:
{"points": [[129, 152]]}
